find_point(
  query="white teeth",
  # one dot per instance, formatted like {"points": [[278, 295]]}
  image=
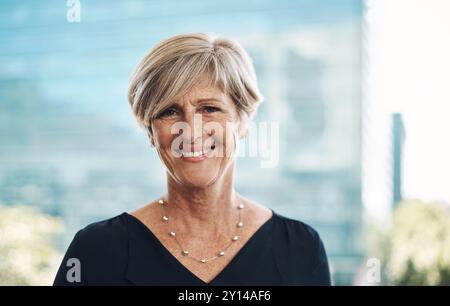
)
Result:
{"points": [[194, 154]]}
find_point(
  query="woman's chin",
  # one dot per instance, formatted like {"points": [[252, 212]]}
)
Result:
{"points": [[197, 180]]}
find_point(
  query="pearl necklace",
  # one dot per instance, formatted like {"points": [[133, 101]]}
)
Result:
{"points": [[185, 252]]}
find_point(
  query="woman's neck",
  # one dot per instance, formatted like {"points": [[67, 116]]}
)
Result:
{"points": [[212, 209]]}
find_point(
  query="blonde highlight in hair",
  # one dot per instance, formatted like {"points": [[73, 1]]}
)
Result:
{"points": [[176, 64]]}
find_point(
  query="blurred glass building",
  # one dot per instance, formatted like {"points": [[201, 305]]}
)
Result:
{"points": [[69, 145]]}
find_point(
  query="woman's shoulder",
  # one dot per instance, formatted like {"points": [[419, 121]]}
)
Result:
{"points": [[104, 231], [100, 249], [295, 230], [300, 251], [101, 239], [283, 225]]}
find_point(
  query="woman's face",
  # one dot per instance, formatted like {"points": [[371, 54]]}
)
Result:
{"points": [[196, 137]]}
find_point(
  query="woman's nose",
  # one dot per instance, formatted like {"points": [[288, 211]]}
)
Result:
{"points": [[194, 121]]}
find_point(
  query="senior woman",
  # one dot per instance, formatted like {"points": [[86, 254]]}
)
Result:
{"points": [[195, 94]]}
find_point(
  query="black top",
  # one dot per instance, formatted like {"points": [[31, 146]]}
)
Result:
{"points": [[123, 251]]}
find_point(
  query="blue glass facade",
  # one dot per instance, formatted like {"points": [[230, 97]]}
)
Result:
{"points": [[69, 144]]}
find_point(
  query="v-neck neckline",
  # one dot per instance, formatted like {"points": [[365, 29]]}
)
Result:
{"points": [[180, 265]]}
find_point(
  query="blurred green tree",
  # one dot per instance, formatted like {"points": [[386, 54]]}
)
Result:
{"points": [[415, 249], [27, 252]]}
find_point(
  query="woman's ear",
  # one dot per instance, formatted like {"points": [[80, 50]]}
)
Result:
{"points": [[243, 133], [244, 124]]}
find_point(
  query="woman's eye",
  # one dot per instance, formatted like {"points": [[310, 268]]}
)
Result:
{"points": [[167, 113], [210, 109]]}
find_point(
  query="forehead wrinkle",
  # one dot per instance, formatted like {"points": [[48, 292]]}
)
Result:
{"points": [[197, 96]]}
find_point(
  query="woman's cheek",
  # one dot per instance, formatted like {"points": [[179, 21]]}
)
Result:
{"points": [[232, 138], [163, 136]]}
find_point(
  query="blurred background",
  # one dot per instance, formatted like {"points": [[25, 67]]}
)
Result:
{"points": [[359, 88]]}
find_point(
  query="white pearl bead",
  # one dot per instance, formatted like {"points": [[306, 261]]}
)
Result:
{"points": [[240, 224], [165, 218], [235, 238], [161, 202], [221, 253], [185, 253], [203, 260], [172, 234], [241, 206]]}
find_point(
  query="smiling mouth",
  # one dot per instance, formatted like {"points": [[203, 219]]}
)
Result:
{"points": [[196, 155]]}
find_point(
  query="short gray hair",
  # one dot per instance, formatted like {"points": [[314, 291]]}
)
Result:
{"points": [[174, 65]]}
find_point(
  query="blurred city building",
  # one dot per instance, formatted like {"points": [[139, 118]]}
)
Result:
{"points": [[69, 144]]}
